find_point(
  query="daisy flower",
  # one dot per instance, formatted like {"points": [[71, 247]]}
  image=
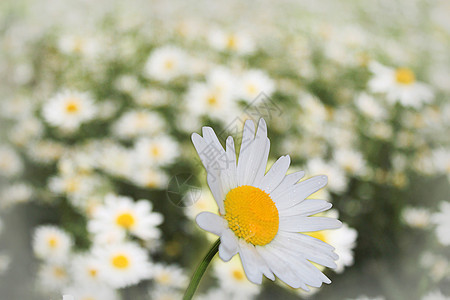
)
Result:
{"points": [[86, 269], [168, 276], [136, 123], [416, 217], [442, 221], [149, 177], [166, 63], [435, 295], [123, 264], [400, 85], [253, 83], [123, 214], [53, 276], [165, 294], [10, 162], [231, 41], [68, 110], [231, 277], [90, 292], [156, 151], [50, 243], [262, 216]]}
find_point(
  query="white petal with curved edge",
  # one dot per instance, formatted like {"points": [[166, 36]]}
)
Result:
{"points": [[275, 175], [287, 182], [248, 136], [228, 245], [250, 263], [298, 193], [305, 208], [211, 222], [307, 224], [280, 268], [215, 186], [257, 162], [263, 165]]}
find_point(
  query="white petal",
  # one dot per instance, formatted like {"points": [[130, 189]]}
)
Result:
{"points": [[276, 174], [228, 245], [287, 182], [298, 193], [211, 222], [249, 262], [244, 154], [306, 224], [305, 208]]}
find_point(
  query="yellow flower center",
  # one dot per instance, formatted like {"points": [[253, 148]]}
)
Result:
{"points": [[125, 220], [53, 242], [404, 76], [72, 106], [120, 261], [238, 275], [231, 42], [212, 100], [169, 64], [155, 151], [93, 272], [59, 272], [163, 278], [251, 214], [251, 89]]}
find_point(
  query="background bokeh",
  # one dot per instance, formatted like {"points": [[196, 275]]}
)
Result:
{"points": [[98, 99]]}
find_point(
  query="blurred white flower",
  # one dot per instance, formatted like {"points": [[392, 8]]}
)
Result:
{"points": [[166, 63], [86, 270], [417, 217], [400, 85], [138, 123], [370, 107], [159, 293], [169, 276], [442, 221], [77, 44], [123, 264], [231, 41], [435, 295], [52, 244], [123, 214], [69, 109], [254, 82], [149, 178], [5, 262], [89, 292], [18, 192], [232, 278], [351, 161], [337, 182], [53, 276], [10, 162], [156, 151]]}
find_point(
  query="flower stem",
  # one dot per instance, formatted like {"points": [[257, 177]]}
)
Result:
{"points": [[198, 274]]}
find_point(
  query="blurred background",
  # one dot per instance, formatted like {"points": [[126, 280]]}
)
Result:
{"points": [[100, 183]]}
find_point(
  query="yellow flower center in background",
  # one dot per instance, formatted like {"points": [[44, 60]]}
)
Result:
{"points": [[59, 272], [318, 235], [155, 151], [251, 89], [120, 261], [231, 42], [93, 272], [125, 220], [72, 106], [251, 214], [404, 76], [212, 100], [53, 242], [169, 64], [238, 275]]}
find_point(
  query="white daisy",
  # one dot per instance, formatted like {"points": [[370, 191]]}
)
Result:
{"points": [[51, 243], [169, 276], [400, 85], [86, 269], [442, 221], [254, 82], [416, 217], [89, 292], [123, 214], [53, 276], [165, 294], [351, 161], [260, 215], [10, 162], [435, 295], [77, 44], [231, 41], [123, 265], [231, 277], [338, 182], [69, 109], [156, 151], [149, 178], [138, 122], [370, 107], [115, 160], [166, 63], [15, 193]]}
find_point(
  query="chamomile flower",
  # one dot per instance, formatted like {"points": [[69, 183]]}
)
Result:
{"points": [[237, 42], [169, 276], [253, 83], [156, 151], [165, 294], [435, 295], [10, 162], [53, 276], [338, 181], [416, 217], [86, 269], [123, 214], [67, 110], [399, 85], [89, 292], [15, 193], [350, 160], [123, 264], [231, 277], [50, 243], [370, 107], [442, 221], [137, 123], [262, 216], [166, 63], [149, 177]]}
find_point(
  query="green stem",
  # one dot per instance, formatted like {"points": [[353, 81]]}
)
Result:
{"points": [[198, 274]]}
